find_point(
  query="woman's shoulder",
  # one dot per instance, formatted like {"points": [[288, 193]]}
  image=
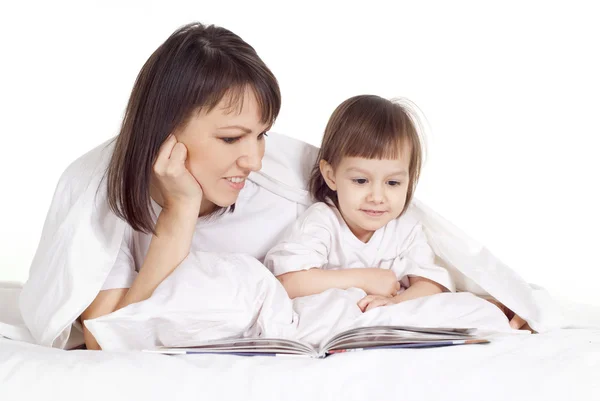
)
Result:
{"points": [[90, 165]]}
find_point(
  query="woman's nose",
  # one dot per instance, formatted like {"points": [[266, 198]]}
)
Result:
{"points": [[252, 158]]}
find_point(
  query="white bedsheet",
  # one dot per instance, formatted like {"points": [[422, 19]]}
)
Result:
{"points": [[557, 365]]}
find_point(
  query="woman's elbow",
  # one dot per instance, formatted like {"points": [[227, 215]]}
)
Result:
{"points": [[105, 302]]}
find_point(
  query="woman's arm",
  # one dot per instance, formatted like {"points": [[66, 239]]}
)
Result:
{"points": [[314, 281], [168, 248], [181, 197]]}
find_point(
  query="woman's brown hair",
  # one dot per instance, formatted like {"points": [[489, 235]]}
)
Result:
{"points": [[371, 127], [193, 69]]}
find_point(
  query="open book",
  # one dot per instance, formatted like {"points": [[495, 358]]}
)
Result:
{"points": [[357, 339]]}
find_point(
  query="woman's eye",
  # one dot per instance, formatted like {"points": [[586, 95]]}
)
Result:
{"points": [[394, 183], [262, 136], [359, 181], [230, 140]]}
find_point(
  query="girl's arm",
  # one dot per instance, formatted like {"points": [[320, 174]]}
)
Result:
{"points": [[314, 281], [419, 287]]}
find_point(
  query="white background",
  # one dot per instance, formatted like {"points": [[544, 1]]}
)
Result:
{"points": [[510, 91]]}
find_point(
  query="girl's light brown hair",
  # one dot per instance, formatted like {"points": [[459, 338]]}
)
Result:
{"points": [[371, 127], [194, 69]]}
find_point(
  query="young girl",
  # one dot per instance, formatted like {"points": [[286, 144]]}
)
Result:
{"points": [[361, 232]]}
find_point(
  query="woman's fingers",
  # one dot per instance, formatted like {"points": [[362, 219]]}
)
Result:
{"points": [[176, 163], [178, 153], [164, 153]]}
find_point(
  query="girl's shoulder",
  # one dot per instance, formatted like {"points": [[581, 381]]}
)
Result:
{"points": [[319, 212], [319, 217], [318, 222]]}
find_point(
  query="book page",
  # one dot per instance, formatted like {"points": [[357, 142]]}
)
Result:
{"points": [[246, 346], [393, 335]]}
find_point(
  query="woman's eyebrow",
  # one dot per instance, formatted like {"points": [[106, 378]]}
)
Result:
{"points": [[238, 127]]}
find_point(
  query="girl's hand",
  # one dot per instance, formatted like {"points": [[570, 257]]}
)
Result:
{"points": [[176, 186], [381, 282], [373, 301]]}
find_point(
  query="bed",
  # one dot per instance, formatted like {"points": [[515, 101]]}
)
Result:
{"points": [[558, 365]]}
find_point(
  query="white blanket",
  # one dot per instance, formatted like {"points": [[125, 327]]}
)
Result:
{"points": [[80, 243]]}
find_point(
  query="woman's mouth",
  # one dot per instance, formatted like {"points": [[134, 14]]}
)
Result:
{"points": [[236, 183]]}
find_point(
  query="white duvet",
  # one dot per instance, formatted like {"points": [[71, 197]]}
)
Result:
{"points": [[211, 297]]}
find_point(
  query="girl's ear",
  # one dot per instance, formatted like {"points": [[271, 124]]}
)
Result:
{"points": [[328, 174]]}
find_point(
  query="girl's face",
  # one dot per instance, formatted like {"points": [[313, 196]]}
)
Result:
{"points": [[224, 146], [371, 192]]}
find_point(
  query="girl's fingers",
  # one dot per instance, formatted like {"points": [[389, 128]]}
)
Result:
{"points": [[376, 303], [362, 304]]}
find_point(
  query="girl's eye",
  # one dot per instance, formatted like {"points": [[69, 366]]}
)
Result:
{"points": [[230, 140], [394, 183], [359, 181], [262, 136]]}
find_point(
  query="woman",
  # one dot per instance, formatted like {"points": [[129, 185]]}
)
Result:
{"points": [[176, 177]]}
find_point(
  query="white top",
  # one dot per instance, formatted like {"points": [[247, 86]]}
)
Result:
{"points": [[320, 238], [259, 219]]}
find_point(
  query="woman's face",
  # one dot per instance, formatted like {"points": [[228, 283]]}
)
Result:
{"points": [[224, 146]]}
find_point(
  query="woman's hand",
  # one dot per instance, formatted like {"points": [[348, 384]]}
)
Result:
{"points": [[176, 186]]}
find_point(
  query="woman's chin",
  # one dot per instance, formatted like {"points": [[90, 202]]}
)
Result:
{"points": [[221, 201]]}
